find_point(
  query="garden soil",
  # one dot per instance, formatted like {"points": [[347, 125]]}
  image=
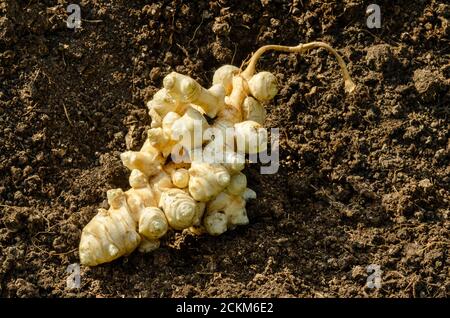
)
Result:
{"points": [[363, 183]]}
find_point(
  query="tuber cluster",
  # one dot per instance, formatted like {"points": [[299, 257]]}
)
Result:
{"points": [[206, 192]]}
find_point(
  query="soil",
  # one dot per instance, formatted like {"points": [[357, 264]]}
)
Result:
{"points": [[363, 179]]}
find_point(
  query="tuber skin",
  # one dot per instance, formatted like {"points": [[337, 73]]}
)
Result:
{"points": [[206, 192], [161, 137], [110, 234], [251, 137], [207, 180], [263, 86], [180, 208], [224, 76], [178, 173], [187, 90], [253, 110]]}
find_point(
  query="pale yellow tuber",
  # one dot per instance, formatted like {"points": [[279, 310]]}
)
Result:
{"points": [[253, 110], [233, 209], [178, 173], [180, 178], [152, 223], [180, 209], [238, 184], [187, 130], [207, 180], [186, 90], [160, 183], [231, 160], [110, 234], [263, 86], [187, 175], [161, 137], [251, 137], [215, 223], [224, 76], [162, 104], [148, 163], [140, 185]]}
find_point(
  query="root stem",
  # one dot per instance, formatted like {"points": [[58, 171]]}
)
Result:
{"points": [[250, 70]]}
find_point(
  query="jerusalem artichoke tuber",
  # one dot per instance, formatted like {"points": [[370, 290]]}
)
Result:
{"points": [[180, 209], [187, 175], [110, 234], [207, 180]]}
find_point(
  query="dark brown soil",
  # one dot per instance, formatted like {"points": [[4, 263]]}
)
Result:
{"points": [[364, 179]]}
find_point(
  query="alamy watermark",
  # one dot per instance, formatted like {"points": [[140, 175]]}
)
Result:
{"points": [[73, 281], [374, 16], [74, 19], [374, 278], [220, 145]]}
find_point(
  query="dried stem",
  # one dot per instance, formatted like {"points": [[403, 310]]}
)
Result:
{"points": [[250, 70]]}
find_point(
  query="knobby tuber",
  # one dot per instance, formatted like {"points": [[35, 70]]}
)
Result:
{"points": [[206, 191]]}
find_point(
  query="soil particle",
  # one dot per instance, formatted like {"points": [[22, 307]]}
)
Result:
{"points": [[429, 84]]}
